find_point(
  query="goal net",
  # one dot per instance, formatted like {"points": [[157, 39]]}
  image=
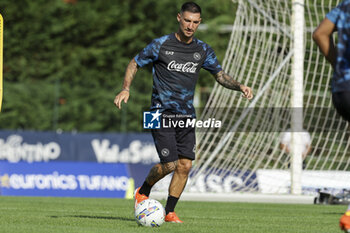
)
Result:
{"points": [[244, 154]]}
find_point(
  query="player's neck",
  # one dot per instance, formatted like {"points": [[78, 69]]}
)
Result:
{"points": [[181, 37]]}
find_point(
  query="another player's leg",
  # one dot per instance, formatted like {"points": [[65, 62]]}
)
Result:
{"points": [[177, 185], [157, 172]]}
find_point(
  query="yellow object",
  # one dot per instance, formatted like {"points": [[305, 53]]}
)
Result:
{"points": [[1, 61], [347, 213], [129, 194]]}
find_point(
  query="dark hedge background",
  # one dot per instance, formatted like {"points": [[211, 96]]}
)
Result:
{"points": [[64, 61]]}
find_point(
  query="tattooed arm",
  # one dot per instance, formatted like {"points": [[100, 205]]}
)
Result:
{"points": [[228, 82], [129, 76]]}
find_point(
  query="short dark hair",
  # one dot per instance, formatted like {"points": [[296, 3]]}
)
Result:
{"points": [[191, 7]]}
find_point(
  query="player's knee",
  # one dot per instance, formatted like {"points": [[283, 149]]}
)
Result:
{"points": [[184, 166]]}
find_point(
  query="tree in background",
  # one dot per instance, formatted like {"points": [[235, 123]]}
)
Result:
{"points": [[64, 60]]}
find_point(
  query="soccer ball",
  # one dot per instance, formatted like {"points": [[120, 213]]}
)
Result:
{"points": [[150, 213]]}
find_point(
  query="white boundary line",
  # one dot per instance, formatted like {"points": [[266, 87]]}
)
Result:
{"points": [[239, 197]]}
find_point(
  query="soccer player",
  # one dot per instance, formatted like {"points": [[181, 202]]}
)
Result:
{"points": [[337, 19], [177, 59]]}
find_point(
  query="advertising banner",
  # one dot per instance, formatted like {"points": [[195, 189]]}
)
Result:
{"points": [[30, 146], [225, 182], [64, 179], [90, 164]]}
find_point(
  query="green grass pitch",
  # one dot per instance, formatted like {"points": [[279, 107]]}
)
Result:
{"points": [[97, 215]]}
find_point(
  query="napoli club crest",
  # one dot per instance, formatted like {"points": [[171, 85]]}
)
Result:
{"points": [[196, 56]]}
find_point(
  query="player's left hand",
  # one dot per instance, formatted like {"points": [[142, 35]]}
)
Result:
{"points": [[247, 92]]}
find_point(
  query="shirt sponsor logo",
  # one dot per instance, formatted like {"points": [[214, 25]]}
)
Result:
{"points": [[188, 67]]}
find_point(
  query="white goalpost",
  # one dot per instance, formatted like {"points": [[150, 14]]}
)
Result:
{"points": [[271, 50], [297, 28]]}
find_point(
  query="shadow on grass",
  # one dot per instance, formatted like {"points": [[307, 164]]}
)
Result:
{"points": [[95, 217], [334, 213]]}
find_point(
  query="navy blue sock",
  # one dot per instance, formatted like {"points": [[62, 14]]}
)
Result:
{"points": [[170, 204]]}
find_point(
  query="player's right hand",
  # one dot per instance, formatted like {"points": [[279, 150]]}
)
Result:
{"points": [[122, 96]]}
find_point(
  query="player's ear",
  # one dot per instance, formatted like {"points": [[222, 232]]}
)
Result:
{"points": [[178, 17]]}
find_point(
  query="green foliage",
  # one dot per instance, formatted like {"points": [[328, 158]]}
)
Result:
{"points": [[64, 63]]}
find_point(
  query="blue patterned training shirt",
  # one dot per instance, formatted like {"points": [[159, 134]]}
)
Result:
{"points": [[175, 70], [340, 16]]}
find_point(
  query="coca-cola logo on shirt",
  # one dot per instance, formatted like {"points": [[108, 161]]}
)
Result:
{"points": [[188, 67]]}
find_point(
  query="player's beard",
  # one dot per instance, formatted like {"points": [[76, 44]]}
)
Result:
{"points": [[187, 34]]}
